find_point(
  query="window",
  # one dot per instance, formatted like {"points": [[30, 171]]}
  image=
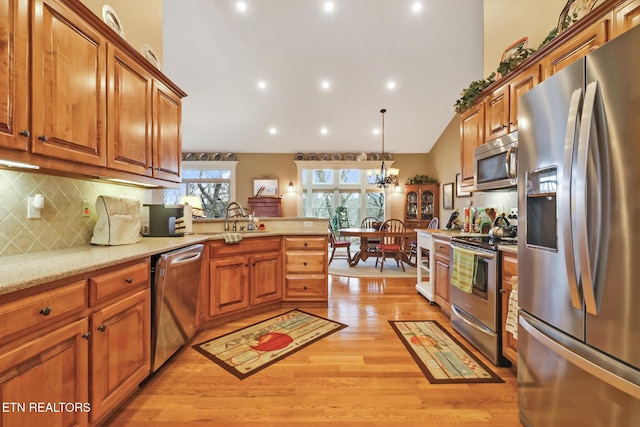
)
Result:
{"points": [[324, 189], [213, 182]]}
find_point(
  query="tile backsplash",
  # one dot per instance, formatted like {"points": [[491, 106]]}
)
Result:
{"points": [[61, 225]]}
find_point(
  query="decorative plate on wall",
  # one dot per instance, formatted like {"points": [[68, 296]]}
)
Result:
{"points": [[110, 17], [312, 156], [349, 156], [361, 157], [299, 156], [336, 156], [230, 157], [150, 56], [217, 157]]}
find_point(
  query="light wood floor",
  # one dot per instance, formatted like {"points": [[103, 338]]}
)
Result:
{"points": [[360, 376]]}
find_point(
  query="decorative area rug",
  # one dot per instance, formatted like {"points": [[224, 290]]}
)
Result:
{"points": [[340, 267], [251, 349], [442, 358]]}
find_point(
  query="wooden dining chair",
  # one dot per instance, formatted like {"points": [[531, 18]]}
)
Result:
{"points": [[371, 222], [334, 243], [392, 235], [413, 253]]}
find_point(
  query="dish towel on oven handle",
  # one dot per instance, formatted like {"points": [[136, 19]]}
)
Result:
{"points": [[464, 269], [512, 312]]}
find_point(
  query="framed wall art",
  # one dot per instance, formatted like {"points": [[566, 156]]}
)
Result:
{"points": [[459, 192], [447, 195], [265, 187]]}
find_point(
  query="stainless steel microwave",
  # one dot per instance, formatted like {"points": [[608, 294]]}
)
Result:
{"points": [[496, 162]]}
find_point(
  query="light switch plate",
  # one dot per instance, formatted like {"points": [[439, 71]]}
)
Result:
{"points": [[32, 211]]}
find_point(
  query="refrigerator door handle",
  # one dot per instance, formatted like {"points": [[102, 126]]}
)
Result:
{"points": [[602, 374], [581, 188], [565, 209]]}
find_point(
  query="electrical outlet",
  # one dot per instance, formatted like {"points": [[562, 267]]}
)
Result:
{"points": [[87, 208], [32, 211]]}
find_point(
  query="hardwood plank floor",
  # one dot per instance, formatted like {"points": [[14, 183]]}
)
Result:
{"points": [[360, 376]]}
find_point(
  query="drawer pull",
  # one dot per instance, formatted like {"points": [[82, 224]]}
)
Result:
{"points": [[25, 133], [43, 138], [305, 288], [129, 280], [87, 335], [306, 244], [304, 263], [102, 327], [45, 311]]}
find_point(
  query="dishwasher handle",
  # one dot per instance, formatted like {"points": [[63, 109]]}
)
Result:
{"points": [[184, 258]]}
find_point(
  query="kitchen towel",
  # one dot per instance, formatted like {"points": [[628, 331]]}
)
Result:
{"points": [[231, 238], [464, 269], [512, 313]]}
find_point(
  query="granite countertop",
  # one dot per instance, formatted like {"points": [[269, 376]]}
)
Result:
{"points": [[23, 271]]}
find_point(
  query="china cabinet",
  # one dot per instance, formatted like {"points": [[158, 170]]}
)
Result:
{"points": [[421, 204]]}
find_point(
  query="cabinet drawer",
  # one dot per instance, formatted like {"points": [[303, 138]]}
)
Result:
{"points": [[43, 308], [509, 267], [306, 287], [249, 245], [305, 262], [118, 281], [442, 248], [305, 243]]}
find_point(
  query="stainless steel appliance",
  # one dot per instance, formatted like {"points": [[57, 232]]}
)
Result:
{"points": [[476, 315], [495, 163], [175, 285], [579, 322]]}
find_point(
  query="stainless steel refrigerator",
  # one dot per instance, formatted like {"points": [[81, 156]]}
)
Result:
{"points": [[579, 242]]}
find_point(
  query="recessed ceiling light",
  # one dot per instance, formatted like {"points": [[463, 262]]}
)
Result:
{"points": [[324, 130], [241, 6], [262, 84], [329, 6], [391, 85], [326, 84], [416, 7], [376, 131], [273, 130]]}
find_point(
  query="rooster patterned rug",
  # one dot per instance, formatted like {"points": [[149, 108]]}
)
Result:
{"points": [[251, 349], [441, 358]]}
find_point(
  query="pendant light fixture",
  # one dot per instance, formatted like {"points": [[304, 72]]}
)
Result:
{"points": [[383, 177]]}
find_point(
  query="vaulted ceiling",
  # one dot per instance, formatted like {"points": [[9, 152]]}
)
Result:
{"points": [[288, 76]]}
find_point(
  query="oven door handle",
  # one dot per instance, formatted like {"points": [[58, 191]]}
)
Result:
{"points": [[472, 323], [489, 257]]}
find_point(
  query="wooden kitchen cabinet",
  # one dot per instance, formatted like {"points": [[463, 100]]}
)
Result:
{"points": [[626, 16], [509, 270], [68, 86], [167, 136], [442, 258], [471, 136], [120, 351], [244, 275], [420, 204], [578, 46], [14, 88], [49, 368], [306, 269]]}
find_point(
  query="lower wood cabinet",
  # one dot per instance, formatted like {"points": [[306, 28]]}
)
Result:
{"points": [[120, 351], [245, 274], [47, 369], [72, 349], [509, 270], [442, 257], [306, 268]]}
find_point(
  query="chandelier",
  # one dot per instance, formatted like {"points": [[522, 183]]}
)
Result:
{"points": [[384, 176]]}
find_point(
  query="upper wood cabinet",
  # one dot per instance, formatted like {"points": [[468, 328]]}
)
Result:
{"points": [[76, 99], [14, 93], [578, 46], [68, 86], [167, 138], [521, 84], [626, 16], [130, 114], [471, 136]]}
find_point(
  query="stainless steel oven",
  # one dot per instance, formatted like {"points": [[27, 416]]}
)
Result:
{"points": [[495, 163], [476, 314]]}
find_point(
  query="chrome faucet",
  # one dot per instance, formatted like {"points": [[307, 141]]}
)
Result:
{"points": [[234, 210], [235, 225]]}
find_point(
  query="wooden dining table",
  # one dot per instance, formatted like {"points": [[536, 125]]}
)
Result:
{"points": [[372, 233]]}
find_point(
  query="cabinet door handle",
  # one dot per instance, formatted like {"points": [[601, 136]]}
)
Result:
{"points": [[45, 311], [305, 288], [102, 327], [304, 263], [246, 265], [254, 264], [306, 244], [43, 138], [129, 280], [87, 335], [25, 133]]}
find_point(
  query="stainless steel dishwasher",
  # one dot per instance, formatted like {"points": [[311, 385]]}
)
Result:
{"points": [[175, 286]]}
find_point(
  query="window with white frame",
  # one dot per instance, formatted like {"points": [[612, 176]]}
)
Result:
{"points": [[212, 182], [326, 188]]}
